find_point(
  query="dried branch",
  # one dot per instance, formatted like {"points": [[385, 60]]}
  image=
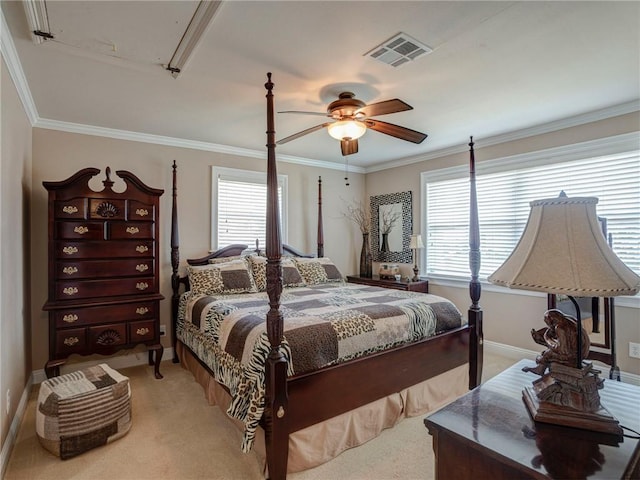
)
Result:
{"points": [[360, 215]]}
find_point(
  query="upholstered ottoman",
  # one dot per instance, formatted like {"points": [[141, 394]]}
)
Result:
{"points": [[83, 410]]}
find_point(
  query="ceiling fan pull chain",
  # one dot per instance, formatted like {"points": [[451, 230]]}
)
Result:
{"points": [[346, 170]]}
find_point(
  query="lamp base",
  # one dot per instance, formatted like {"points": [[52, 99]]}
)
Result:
{"points": [[569, 396], [415, 278]]}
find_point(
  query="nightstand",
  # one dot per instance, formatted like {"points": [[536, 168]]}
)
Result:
{"points": [[375, 281], [488, 433]]}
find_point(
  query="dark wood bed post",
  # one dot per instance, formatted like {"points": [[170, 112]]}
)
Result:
{"points": [[175, 262], [475, 312], [276, 399], [320, 232]]}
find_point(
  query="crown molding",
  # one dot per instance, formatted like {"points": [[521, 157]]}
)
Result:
{"points": [[181, 143], [10, 55], [582, 119]]}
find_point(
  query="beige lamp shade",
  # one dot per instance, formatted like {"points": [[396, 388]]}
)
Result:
{"points": [[416, 242], [563, 251]]}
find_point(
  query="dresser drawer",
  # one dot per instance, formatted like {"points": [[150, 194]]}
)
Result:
{"points": [[105, 268], [96, 315], [141, 211], [71, 340], [71, 290], [74, 208], [108, 335], [142, 331], [111, 209], [105, 249], [130, 230], [80, 230]]}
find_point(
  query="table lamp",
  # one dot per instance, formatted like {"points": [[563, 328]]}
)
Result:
{"points": [[563, 251], [414, 244]]}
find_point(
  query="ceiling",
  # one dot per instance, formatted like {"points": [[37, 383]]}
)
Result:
{"points": [[496, 68]]}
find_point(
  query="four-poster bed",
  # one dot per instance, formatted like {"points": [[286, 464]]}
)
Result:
{"points": [[289, 400]]}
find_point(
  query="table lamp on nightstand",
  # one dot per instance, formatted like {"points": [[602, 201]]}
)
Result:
{"points": [[415, 244], [563, 251]]}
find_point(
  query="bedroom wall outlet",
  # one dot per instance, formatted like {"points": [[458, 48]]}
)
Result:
{"points": [[8, 403], [634, 350], [163, 330]]}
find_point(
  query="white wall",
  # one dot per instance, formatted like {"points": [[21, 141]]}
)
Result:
{"points": [[15, 198]]}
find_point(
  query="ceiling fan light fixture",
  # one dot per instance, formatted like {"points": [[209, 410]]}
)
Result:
{"points": [[347, 129]]}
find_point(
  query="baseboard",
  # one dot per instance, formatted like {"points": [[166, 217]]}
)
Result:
{"points": [[12, 435], [117, 361], [520, 353]]}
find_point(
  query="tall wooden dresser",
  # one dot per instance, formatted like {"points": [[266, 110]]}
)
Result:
{"points": [[103, 268]]}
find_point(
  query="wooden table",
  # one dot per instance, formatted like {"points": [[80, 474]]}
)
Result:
{"points": [[419, 286], [488, 433]]}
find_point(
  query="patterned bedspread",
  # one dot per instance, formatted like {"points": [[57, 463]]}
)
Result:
{"points": [[323, 325]]}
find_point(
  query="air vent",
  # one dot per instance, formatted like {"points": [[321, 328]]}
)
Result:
{"points": [[398, 50]]}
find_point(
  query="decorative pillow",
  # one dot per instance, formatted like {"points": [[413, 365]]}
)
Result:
{"points": [[333, 274], [226, 277], [291, 277], [318, 270], [259, 269]]}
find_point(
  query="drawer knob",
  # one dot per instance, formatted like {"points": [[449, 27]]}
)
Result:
{"points": [[70, 290], [143, 267], [81, 230], [70, 318], [133, 230], [142, 212], [71, 341], [142, 285], [70, 270], [69, 250], [70, 209], [142, 331], [142, 248], [142, 310]]}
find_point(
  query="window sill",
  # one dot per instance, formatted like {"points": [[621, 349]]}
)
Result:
{"points": [[457, 282]]}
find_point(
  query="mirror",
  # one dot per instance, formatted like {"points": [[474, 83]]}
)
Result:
{"points": [[391, 227], [594, 315]]}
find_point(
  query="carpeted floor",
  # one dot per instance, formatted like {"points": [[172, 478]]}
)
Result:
{"points": [[177, 435]]}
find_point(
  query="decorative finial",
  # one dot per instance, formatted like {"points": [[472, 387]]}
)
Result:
{"points": [[108, 183], [269, 84]]}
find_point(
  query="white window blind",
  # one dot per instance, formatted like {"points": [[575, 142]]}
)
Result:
{"points": [[503, 205], [239, 206]]}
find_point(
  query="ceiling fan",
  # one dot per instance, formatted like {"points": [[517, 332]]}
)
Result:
{"points": [[352, 119]]}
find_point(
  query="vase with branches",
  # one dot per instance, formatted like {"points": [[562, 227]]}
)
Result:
{"points": [[361, 216]]}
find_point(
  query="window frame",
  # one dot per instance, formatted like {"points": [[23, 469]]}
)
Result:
{"points": [[628, 143], [249, 176]]}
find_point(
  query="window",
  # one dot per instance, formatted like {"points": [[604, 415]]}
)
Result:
{"points": [[505, 189], [239, 207]]}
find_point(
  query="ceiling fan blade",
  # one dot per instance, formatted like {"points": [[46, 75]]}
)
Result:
{"points": [[383, 108], [321, 114], [302, 133], [396, 131], [349, 147]]}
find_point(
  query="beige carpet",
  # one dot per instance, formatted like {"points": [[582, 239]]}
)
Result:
{"points": [[177, 435]]}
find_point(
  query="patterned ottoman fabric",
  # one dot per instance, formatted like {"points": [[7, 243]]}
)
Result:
{"points": [[83, 410]]}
